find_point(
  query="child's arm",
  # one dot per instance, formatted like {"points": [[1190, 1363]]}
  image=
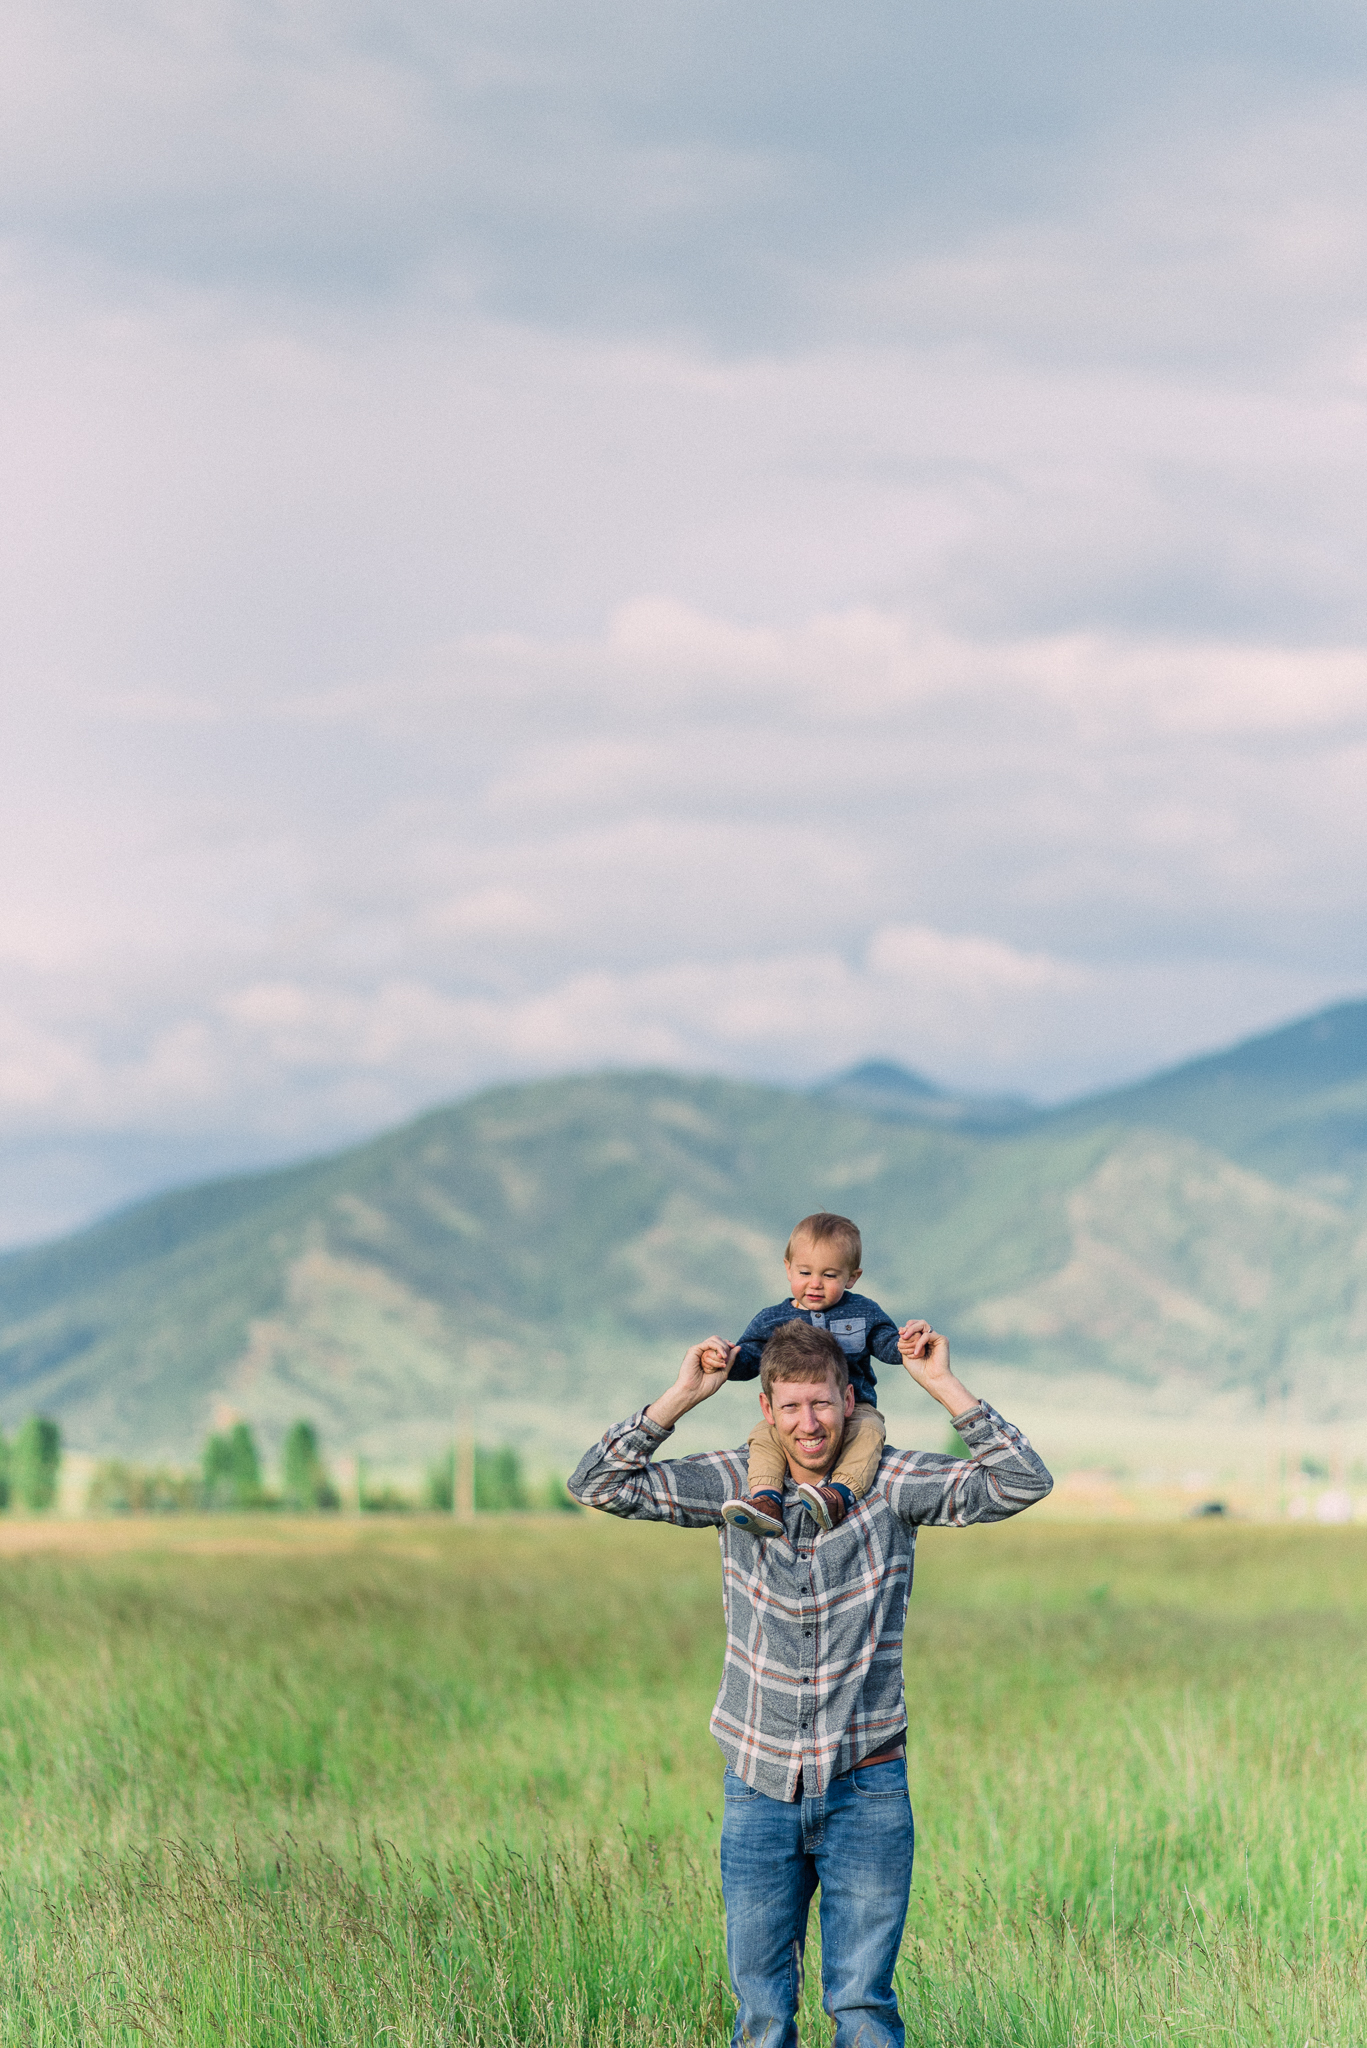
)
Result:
{"points": [[745, 1355], [883, 1337]]}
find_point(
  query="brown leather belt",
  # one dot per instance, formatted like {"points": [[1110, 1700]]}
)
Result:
{"points": [[884, 1756]]}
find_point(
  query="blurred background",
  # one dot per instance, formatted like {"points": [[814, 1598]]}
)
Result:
{"points": [[737, 543]]}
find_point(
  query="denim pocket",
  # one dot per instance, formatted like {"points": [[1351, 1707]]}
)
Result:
{"points": [[882, 1781], [734, 1787]]}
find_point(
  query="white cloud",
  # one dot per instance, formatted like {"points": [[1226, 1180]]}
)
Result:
{"points": [[986, 836], [535, 541], [966, 968]]}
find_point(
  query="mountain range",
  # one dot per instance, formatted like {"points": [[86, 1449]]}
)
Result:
{"points": [[533, 1258]]}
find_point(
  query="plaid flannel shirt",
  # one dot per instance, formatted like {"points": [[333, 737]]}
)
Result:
{"points": [[812, 1679]]}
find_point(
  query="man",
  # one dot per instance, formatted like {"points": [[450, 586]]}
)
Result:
{"points": [[811, 1715]]}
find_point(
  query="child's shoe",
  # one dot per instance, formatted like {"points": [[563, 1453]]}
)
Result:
{"points": [[761, 1515], [829, 1504]]}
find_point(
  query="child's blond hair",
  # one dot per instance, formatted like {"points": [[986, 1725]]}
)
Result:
{"points": [[824, 1228]]}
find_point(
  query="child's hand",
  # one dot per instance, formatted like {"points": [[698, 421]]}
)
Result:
{"points": [[924, 1353], [913, 1340], [699, 1379]]}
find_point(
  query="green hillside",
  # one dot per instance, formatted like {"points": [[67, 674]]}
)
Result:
{"points": [[519, 1254], [536, 1256]]}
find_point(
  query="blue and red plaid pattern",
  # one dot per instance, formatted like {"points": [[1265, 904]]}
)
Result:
{"points": [[812, 1680]]}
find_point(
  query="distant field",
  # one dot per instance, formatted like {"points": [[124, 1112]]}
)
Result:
{"points": [[352, 1782]]}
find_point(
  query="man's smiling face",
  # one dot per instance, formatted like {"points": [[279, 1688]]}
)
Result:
{"points": [[808, 1417]]}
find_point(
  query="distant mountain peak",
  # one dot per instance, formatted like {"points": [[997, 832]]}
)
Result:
{"points": [[885, 1075], [882, 1088]]}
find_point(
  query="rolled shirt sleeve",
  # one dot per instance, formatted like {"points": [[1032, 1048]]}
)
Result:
{"points": [[617, 1476], [1003, 1475]]}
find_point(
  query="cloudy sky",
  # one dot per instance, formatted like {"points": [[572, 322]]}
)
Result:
{"points": [[742, 536]]}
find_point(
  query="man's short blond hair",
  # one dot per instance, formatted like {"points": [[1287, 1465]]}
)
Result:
{"points": [[824, 1228], [797, 1351]]}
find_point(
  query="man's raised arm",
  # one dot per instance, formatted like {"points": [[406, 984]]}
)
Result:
{"points": [[1003, 1473], [617, 1475]]}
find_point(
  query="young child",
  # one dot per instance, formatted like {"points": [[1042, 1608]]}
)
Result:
{"points": [[822, 1262]]}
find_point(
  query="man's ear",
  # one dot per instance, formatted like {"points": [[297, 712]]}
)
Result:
{"points": [[766, 1410], [849, 1402]]}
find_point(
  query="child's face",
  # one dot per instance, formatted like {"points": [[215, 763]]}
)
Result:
{"points": [[818, 1275]]}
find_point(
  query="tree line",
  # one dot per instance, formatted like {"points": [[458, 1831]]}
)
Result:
{"points": [[231, 1475]]}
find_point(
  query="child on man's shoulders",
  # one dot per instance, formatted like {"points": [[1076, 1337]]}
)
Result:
{"points": [[823, 1261]]}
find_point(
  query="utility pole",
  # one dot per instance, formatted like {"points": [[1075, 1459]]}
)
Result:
{"points": [[463, 1488]]}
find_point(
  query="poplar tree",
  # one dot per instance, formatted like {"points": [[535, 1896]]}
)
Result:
{"points": [[35, 1462]]}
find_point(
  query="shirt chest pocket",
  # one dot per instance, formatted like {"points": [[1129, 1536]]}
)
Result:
{"points": [[849, 1335]]}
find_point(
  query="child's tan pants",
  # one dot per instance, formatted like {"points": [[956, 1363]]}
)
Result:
{"points": [[865, 1435]]}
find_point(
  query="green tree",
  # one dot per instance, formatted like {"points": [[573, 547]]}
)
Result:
{"points": [[232, 1469], [307, 1484], [4, 1473], [499, 1483], [498, 1479], [955, 1446], [35, 1462], [439, 1491]]}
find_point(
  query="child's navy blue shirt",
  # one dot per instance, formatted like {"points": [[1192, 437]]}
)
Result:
{"points": [[861, 1329]]}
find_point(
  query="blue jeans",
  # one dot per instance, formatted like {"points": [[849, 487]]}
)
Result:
{"points": [[855, 1842]]}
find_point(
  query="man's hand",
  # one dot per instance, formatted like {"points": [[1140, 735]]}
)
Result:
{"points": [[704, 1369], [925, 1354]]}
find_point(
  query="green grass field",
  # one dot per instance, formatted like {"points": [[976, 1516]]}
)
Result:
{"points": [[407, 1783]]}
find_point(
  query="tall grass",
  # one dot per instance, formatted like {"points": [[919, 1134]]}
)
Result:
{"points": [[434, 1785], [190, 1947]]}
